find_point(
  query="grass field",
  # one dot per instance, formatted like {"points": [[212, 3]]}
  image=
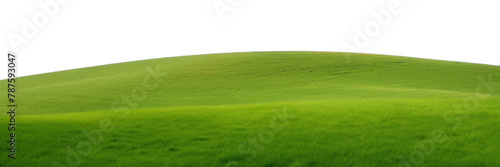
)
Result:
{"points": [[260, 109]]}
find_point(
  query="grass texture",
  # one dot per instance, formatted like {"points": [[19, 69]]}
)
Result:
{"points": [[260, 109]]}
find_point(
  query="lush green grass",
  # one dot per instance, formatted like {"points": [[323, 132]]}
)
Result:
{"points": [[262, 109]]}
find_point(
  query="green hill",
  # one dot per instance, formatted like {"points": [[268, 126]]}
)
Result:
{"points": [[261, 109]]}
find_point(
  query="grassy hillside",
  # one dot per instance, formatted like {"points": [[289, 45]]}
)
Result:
{"points": [[261, 109]]}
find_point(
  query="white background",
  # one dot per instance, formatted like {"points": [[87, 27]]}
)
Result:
{"points": [[86, 33]]}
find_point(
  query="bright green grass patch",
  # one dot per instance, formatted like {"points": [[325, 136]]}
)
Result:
{"points": [[215, 110], [328, 133]]}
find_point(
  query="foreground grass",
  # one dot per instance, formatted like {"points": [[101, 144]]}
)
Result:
{"points": [[327, 133], [262, 109]]}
